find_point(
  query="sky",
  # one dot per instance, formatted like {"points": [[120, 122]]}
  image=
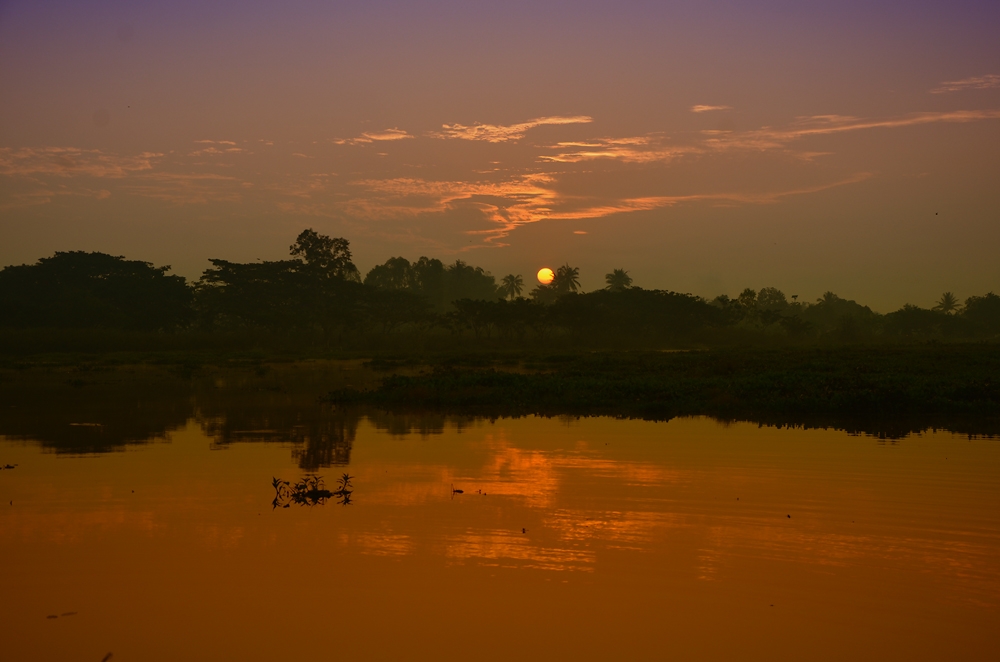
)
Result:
{"points": [[703, 146]]}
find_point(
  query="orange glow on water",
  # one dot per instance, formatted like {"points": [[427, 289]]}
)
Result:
{"points": [[681, 531]]}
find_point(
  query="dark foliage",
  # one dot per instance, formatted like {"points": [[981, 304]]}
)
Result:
{"points": [[884, 391], [79, 290], [317, 299]]}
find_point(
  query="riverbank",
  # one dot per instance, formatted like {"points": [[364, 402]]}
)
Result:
{"points": [[882, 390]]}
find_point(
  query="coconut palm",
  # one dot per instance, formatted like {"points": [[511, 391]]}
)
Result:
{"points": [[947, 304], [567, 279], [511, 286], [618, 280]]}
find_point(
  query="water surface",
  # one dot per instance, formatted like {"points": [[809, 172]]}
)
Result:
{"points": [[154, 536]]}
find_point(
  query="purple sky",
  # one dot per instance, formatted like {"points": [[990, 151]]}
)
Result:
{"points": [[703, 146]]}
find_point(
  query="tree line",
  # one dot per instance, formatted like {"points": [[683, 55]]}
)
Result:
{"points": [[318, 292]]}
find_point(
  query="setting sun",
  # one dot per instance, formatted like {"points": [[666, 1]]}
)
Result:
{"points": [[545, 275]]}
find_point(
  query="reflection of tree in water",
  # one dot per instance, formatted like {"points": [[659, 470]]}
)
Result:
{"points": [[422, 423], [310, 491], [279, 406], [320, 435], [83, 410], [80, 411]]}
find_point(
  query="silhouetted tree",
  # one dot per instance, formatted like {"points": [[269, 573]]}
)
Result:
{"points": [[320, 291], [512, 318], [544, 294], [747, 300], [566, 279], [511, 286], [983, 313], [478, 315], [396, 274], [618, 280], [255, 294], [390, 309], [328, 257], [731, 310], [462, 281], [841, 318], [634, 315], [771, 298], [914, 321], [93, 290], [948, 303]]}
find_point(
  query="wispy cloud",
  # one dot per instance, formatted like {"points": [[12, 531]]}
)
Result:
{"points": [[769, 138], [187, 188], [975, 83], [649, 203], [507, 204], [212, 150], [375, 136], [71, 161], [497, 133], [642, 149], [44, 195], [513, 203], [706, 109]]}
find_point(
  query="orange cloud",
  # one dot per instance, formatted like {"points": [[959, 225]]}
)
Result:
{"points": [[511, 204], [375, 136], [648, 203], [496, 133], [642, 149], [706, 109]]}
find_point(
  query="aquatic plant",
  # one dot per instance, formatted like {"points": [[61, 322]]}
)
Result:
{"points": [[310, 490]]}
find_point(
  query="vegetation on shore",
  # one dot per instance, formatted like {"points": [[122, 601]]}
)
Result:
{"points": [[98, 403], [493, 352], [318, 302], [887, 391]]}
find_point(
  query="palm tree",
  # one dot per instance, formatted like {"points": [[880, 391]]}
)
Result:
{"points": [[511, 286], [567, 279], [948, 303], [618, 280]]}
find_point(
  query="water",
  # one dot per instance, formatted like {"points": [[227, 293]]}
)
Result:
{"points": [[143, 520]]}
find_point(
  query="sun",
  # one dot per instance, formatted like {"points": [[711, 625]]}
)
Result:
{"points": [[545, 275]]}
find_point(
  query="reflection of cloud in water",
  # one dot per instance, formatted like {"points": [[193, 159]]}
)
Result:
{"points": [[379, 544], [954, 562], [63, 527], [529, 475], [511, 550], [535, 475], [632, 530]]}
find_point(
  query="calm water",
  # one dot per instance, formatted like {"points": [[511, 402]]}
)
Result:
{"points": [[146, 526]]}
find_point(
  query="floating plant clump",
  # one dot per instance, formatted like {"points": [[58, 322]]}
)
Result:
{"points": [[310, 491]]}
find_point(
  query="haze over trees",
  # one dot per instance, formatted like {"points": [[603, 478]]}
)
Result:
{"points": [[319, 294]]}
